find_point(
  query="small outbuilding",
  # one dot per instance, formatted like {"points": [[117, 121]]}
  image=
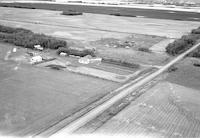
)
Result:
{"points": [[14, 50], [63, 54]]}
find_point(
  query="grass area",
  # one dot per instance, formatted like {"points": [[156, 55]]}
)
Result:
{"points": [[120, 63], [187, 74]]}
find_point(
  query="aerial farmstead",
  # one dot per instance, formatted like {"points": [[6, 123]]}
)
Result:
{"points": [[81, 68]]}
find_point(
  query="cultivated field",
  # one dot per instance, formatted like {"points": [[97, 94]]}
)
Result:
{"points": [[124, 11], [166, 110]]}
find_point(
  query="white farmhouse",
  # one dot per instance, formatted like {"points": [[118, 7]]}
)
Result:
{"points": [[36, 59], [38, 47]]}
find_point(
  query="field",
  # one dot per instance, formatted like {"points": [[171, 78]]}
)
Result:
{"points": [[168, 109], [170, 112], [96, 26], [36, 98], [90, 30], [149, 13]]}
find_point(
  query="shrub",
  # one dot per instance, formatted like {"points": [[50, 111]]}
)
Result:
{"points": [[196, 64], [89, 52], [25, 7], [8, 38], [196, 31], [144, 49], [195, 53], [172, 68], [120, 62], [56, 67], [49, 42], [60, 50], [16, 5], [121, 14], [176, 47], [116, 14], [77, 52], [70, 12], [191, 38]]}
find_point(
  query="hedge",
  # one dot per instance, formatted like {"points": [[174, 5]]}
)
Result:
{"points": [[16, 5], [144, 49], [120, 14], [71, 13], [6, 29], [120, 63], [77, 52]]}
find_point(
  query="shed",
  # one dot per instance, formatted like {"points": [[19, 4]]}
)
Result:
{"points": [[63, 54]]}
